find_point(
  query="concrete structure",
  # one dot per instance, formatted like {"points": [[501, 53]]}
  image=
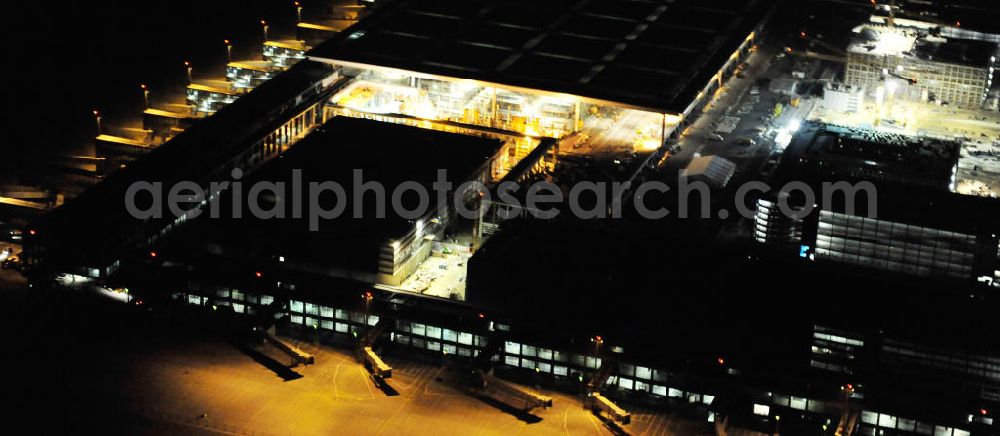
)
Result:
{"points": [[540, 69], [284, 53], [249, 74], [842, 98], [905, 221], [166, 124], [118, 151], [917, 62], [363, 243], [92, 235], [209, 98]]}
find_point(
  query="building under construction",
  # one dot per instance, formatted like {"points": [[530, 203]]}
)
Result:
{"points": [[923, 61], [626, 74]]}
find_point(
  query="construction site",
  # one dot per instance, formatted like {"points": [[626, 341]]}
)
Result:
{"points": [[923, 80]]}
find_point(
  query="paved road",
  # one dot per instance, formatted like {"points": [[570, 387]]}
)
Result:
{"points": [[697, 138]]}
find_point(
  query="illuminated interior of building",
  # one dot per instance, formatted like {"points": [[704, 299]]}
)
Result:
{"points": [[503, 110]]}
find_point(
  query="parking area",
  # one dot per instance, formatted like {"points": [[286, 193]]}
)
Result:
{"points": [[737, 124]]}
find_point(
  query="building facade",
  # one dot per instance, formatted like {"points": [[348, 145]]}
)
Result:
{"points": [[957, 72]]}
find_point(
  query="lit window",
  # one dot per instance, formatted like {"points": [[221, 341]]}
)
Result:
{"points": [[512, 348], [761, 409]]}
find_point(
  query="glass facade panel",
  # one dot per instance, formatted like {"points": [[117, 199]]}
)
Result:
{"points": [[894, 246]]}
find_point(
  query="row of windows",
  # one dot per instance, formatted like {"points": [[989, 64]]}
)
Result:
{"points": [[239, 306], [299, 307], [896, 228], [894, 246], [888, 421], [902, 239], [803, 404], [236, 295], [516, 349], [942, 363], [323, 324], [954, 270], [835, 367], [882, 256], [838, 339], [434, 332], [971, 360], [771, 225], [630, 377], [620, 382], [436, 346], [939, 71]]}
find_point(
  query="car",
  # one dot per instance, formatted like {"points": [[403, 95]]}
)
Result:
{"points": [[746, 141], [716, 137]]}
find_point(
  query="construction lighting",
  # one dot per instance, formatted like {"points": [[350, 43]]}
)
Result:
{"points": [[891, 87]]}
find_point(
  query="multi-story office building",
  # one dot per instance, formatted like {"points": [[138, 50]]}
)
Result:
{"points": [[905, 220]]}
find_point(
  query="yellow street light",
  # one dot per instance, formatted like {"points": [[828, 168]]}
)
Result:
{"points": [[97, 118], [145, 95], [187, 66]]}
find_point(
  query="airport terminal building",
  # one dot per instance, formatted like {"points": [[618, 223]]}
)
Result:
{"points": [[545, 69]]}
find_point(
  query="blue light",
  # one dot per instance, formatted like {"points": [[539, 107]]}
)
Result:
{"points": [[804, 251]]}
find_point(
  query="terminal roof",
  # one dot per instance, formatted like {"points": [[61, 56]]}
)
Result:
{"points": [[652, 54]]}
